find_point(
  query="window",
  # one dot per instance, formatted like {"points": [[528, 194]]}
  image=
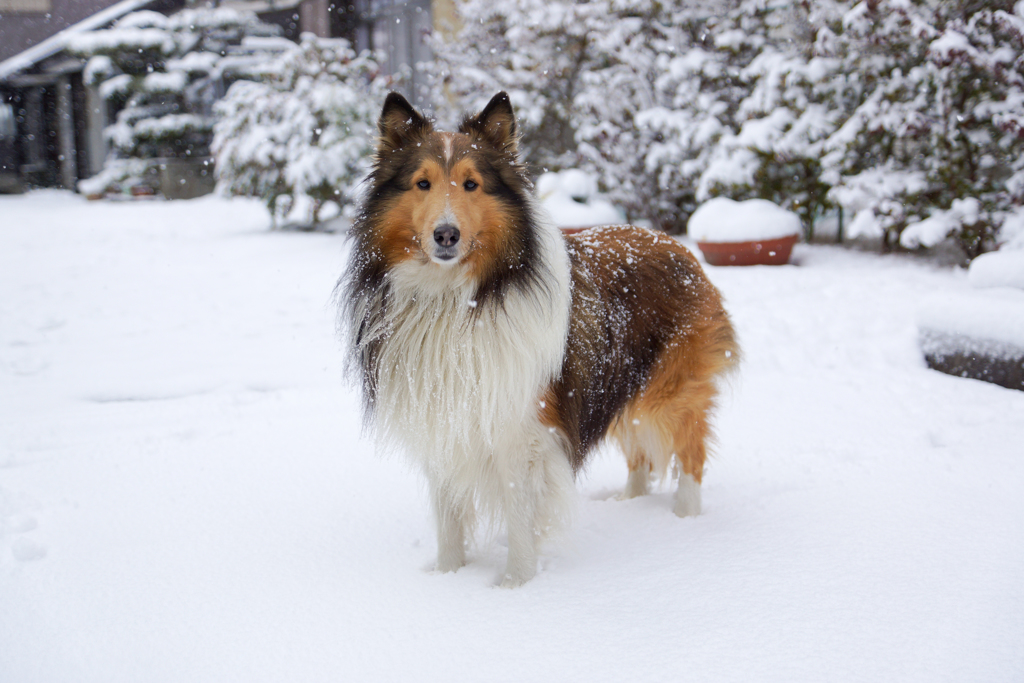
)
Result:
{"points": [[8, 127], [396, 29]]}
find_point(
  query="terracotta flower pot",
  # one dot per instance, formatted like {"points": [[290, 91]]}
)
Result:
{"points": [[573, 231], [774, 252]]}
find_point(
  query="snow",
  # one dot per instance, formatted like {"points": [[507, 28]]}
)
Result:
{"points": [[165, 82], [998, 269], [185, 494], [865, 189], [940, 224], [117, 85], [171, 124], [723, 220], [950, 43], [572, 200], [194, 62], [1013, 229], [994, 315], [121, 39]]}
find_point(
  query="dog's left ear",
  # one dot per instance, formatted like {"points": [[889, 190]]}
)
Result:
{"points": [[496, 124]]}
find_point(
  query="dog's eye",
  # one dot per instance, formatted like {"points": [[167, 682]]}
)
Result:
{"points": [[469, 185], [423, 184]]}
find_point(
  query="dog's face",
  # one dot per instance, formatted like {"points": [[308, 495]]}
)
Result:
{"points": [[449, 201]]}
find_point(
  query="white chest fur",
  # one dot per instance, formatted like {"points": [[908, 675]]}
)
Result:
{"points": [[457, 379]]}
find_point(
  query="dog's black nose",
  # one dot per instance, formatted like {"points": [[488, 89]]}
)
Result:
{"points": [[446, 235]]}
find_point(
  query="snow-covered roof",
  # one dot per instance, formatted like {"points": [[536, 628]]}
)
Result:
{"points": [[56, 43]]}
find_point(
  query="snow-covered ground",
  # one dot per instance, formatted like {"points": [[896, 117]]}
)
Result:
{"points": [[185, 495]]}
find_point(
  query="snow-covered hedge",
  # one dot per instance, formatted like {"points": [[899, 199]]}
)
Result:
{"points": [[908, 116], [304, 131]]}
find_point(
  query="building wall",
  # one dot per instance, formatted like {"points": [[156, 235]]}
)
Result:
{"points": [[24, 23]]}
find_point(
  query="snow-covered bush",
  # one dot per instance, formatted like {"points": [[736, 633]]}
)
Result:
{"points": [[572, 199], [891, 109], [160, 76], [653, 106], [878, 199], [941, 98], [641, 93], [580, 74], [782, 109], [304, 130]]}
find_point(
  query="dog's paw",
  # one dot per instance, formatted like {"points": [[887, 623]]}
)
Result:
{"points": [[687, 498], [515, 579], [637, 485], [449, 566], [512, 582]]}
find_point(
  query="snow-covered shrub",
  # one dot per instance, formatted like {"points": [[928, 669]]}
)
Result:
{"points": [[581, 76], [651, 110], [642, 93], [160, 75], [891, 109], [572, 199], [536, 50], [304, 131], [878, 199], [941, 97]]}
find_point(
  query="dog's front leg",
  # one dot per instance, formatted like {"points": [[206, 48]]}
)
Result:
{"points": [[452, 514], [522, 499]]}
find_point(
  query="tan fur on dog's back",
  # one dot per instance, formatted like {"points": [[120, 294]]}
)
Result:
{"points": [[670, 417]]}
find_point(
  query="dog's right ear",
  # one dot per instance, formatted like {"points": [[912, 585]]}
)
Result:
{"points": [[399, 123]]}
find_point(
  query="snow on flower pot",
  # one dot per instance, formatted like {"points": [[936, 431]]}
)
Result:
{"points": [[754, 232]]}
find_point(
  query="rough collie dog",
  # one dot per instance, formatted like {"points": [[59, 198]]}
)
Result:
{"points": [[497, 353]]}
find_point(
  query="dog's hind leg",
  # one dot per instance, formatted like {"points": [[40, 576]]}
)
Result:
{"points": [[639, 464], [690, 412], [454, 515], [669, 423], [690, 451], [638, 482]]}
